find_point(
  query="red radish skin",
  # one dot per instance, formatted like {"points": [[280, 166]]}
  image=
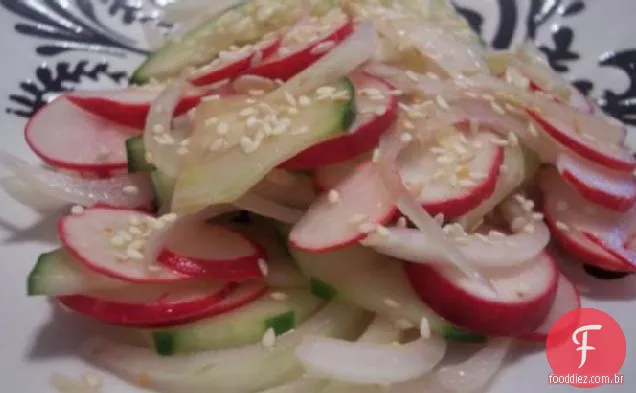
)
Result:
{"points": [[129, 107], [208, 251], [439, 196], [235, 68], [332, 224], [66, 137], [87, 237], [284, 67], [149, 306], [611, 156], [364, 133], [616, 247], [482, 312], [567, 299]]}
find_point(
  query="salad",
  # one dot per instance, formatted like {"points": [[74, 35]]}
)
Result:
{"points": [[322, 196]]}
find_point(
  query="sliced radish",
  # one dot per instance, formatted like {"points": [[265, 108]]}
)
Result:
{"points": [[581, 135], [525, 294], [610, 189], [376, 111], [459, 184], [203, 250], [346, 214], [65, 136], [304, 45], [231, 64], [150, 304], [112, 241], [127, 107], [567, 299], [570, 217], [329, 176], [581, 102]]}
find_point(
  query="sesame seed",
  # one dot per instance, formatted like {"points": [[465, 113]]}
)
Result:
{"points": [[425, 328], [412, 75], [403, 324], [158, 224], [483, 238], [528, 228], [497, 108], [478, 144], [406, 137], [256, 92], [77, 210], [563, 226], [333, 196], [382, 230], [522, 288], [537, 216], [439, 219], [130, 190], [211, 97], [291, 100], [304, 101], [518, 223], [532, 129], [133, 230], [488, 97], [466, 183], [442, 102], [154, 268], [279, 296], [117, 241], [499, 142], [169, 217], [512, 138], [148, 157], [211, 120], [222, 128], [262, 266], [134, 254], [366, 227], [494, 233], [269, 338], [503, 168], [391, 303], [432, 75], [477, 175], [158, 128], [401, 222], [247, 112], [182, 151], [408, 124], [92, 380]]}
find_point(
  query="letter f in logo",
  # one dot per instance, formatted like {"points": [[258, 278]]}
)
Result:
{"points": [[583, 344]]}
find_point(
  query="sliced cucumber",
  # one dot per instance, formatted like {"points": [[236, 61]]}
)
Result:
{"points": [[374, 282], [243, 326], [238, 370], [321, 119], [136, 153], [58, 273], [242, 24], [163, 186]]}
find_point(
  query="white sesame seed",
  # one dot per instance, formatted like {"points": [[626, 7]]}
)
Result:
{"points": [[154, 268], [304, 101], [182, 151], [406, 137], [412, 75], [211, 97], [497, 108], [133, 230], [522, 288], [323, 47], [477, 175], [376, 155], [300, 130], [483, 238], [117, 241], [466, 183], [512, 138], [382, 230], [247, 112], [403, 324], [439, 219], [158, 128], [478, 144], [462, 240], [563, 226], [77, 210], [269, 338], [279, 296], [401, 222], [503, 168], [248, 145], [442, 102], [528, 228], [391, 303], [134, 254], [211, 120], [494, 233], [425, 328], [130, 190], [537, 216], [358, 218], [169, 217], [499, 142], [366, 227], [408, 124], [158, 224], [222, 128], [148, 157], [532, 129], [262, 266], [333, 196], [92, 380], [291, 100], [518, 223], [137, 244]]}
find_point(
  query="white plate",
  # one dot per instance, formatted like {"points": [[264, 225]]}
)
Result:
{"points": [[592, 42]]}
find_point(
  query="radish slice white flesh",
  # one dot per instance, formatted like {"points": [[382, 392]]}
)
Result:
{"points": [[149, 304], [105, 241], [114, 191], [579, 134], [205, 250], [572, 218], [567, 299], [465, 179], [610, 189], [65, 136], [475, 373], [376, 111], [369, 363], [128, 107], [345, 214], [523, 298], [329, 176]]}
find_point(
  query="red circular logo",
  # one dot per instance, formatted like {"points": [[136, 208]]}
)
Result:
{"points": [[585, 348]]}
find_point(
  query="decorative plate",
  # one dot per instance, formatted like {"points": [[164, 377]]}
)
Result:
{"points": [[51, 46]]}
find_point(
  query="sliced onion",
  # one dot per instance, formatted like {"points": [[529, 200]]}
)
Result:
{"points": [[369, 363], [164, 157], [184, 10], [64, 384], [474, 373], [85, 192], [23, 193], [342, 60], [533, 65], [390, 147], [268, 208], [399, 79]]}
